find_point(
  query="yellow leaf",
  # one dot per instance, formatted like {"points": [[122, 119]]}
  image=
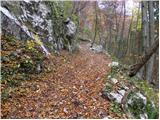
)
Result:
{"points": [[30, 44], [37, 39]]}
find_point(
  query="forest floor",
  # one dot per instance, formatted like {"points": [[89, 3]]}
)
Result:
{"points": [[71, 90]]}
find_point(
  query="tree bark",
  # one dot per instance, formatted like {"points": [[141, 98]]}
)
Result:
{"points": [[110, 34], [99, 31], [128, 38], [145, 32], [139, 42], [135, 68], [118, 24], [117, 37], [150, 65], [124, 19], [96, 20], [145, 26], [122, 32]]}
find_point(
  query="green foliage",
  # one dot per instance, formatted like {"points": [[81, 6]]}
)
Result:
{"points": [[5, 94], [114, 58], [86, 30], [116, 108], [148, 91], [137, 14], [37, 40], [151, 94], [12, 83], [19, 62], [139, 25], [60, 11], [107, 89], [114, 71], [67, 5], [30, 45], [75, 19], [58, 17], [27, 66], [152, 112], [137, 106]]}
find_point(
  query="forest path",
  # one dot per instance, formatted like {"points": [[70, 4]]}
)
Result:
{"points": [[72, 90]]}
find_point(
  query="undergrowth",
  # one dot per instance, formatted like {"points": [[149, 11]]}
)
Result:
{"points": [[19, 61], [151, 108]]}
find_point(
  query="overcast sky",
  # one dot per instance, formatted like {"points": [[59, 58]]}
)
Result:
{"points": [[130, 5]]}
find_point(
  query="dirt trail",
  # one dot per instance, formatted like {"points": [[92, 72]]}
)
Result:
{"points": [[72, 90]]}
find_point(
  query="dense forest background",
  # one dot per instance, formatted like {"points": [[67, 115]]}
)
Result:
{"points": [[126, 33], [112, 58]]}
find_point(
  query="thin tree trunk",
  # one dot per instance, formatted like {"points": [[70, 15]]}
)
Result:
{"points": [[151, 23], [124, 19], [99, 31], [100, 39], [134, 48], [106, 35], [139, 45], [145, 31], [135, 68], [117, 31], [122, 31], [145, 26], [128, 38], [136, 33], [96, 20], [110, 35], [114, 50]]}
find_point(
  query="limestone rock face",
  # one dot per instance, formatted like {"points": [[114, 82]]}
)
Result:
{"points": [[71, 28], [24, 19], [21, 16]]}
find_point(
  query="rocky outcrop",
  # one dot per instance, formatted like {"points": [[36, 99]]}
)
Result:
{"points": [[29, 19], [131, 99], [97, 48]]}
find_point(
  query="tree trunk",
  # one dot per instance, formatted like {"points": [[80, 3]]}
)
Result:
{"points": [[136, 33], [128, 38], [124, 19], [150, 65], [122, 32], [110, 35], [139, 42], [99, 31], [135, 68], [145, 32], [114, 49], [118, 29], [96, 20]]}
